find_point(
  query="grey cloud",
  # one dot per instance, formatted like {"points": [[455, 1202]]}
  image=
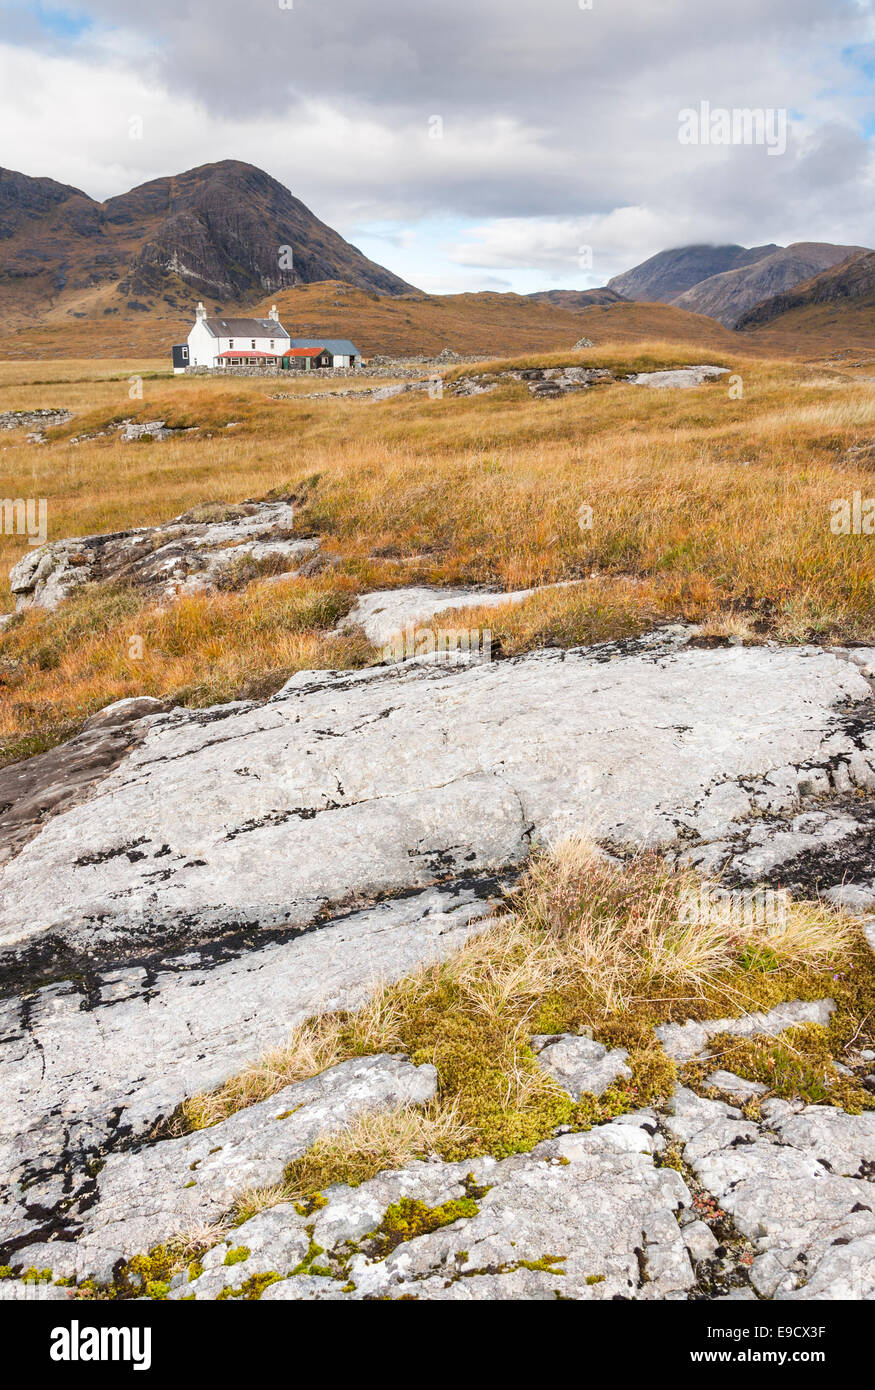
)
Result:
{"points": [[550, 111]]}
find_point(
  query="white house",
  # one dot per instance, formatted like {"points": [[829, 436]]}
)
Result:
{"points": [[236, 342], [227, 342]]}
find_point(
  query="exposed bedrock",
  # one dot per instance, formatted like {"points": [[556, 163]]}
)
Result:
{"points": [[349, 786], [182, 887], [193, 553], [94, 1061]]}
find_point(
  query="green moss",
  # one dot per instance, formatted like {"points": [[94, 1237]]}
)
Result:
{"points": [[408, 1218], [6, 1272], [237, 1255], [798, 1065], [195, 1270], [36, 1276], [670, 1157], [154, 1269], [252, 1288], [305, 1266], [595, 1278], [314, 1201], [546, 1264], [157, 1289]]}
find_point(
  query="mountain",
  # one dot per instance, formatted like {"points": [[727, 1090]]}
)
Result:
{"points": [[726, 297], [577, 299], [216, 233], [850, 284], [667, 274]]}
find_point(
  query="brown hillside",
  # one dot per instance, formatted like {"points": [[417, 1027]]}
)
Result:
{"points": [[487, 324]]}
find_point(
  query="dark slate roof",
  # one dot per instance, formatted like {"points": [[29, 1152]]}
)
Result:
{"points": [[342, 347], [246, 328]]}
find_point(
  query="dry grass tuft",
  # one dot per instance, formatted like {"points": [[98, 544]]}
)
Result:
{"points": [[312, 1047], [630, 934], [371, 1144], [586, 944]]}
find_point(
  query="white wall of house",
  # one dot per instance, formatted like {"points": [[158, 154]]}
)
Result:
{"points": [[201, 346], [204, 349]]}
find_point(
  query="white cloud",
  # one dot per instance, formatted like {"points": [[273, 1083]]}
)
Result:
{"points": [[559, 125]]}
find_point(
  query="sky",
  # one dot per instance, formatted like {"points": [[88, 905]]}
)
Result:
{"points": [[466, 144]]}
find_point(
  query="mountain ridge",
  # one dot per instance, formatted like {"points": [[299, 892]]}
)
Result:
{"points": [[225, 231], [661, 278], [851, 281], [730, 294]]}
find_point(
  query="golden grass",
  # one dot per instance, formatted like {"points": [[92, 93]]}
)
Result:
{"points": [[370, 1144], [412, 324], [587, 944], [705, 508]]}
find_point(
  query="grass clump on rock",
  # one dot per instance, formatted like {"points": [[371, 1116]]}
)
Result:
{"points": [[586, 944]]}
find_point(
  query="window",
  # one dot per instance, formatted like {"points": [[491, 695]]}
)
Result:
{"points": [[253, 342], [185, 352], [271, 344], [230, 342]]}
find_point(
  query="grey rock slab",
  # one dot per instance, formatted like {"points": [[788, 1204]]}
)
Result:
{"points": [[183, 556], [735, 1086], [27, 1291], [144, 1196], [778, 790], [595, 1202], [707, 858], [858, 898], [305, 1288], [386, 612], [683, 1041], [84, 1065], [700, 1241], [381, 781], [781, 846], [39, 787], [276, 1239], [720, 808], [125, 712], [844, 1144], [844, 1271], [812, 1227], [580, 1064], [682, 378]]}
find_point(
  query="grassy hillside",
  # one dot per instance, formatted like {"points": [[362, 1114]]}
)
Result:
{"points": [[705, 507], [493, 324], [826, 329]]}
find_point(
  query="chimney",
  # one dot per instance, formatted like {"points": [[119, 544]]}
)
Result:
{"points": [[274, 313], [200, 312]]}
